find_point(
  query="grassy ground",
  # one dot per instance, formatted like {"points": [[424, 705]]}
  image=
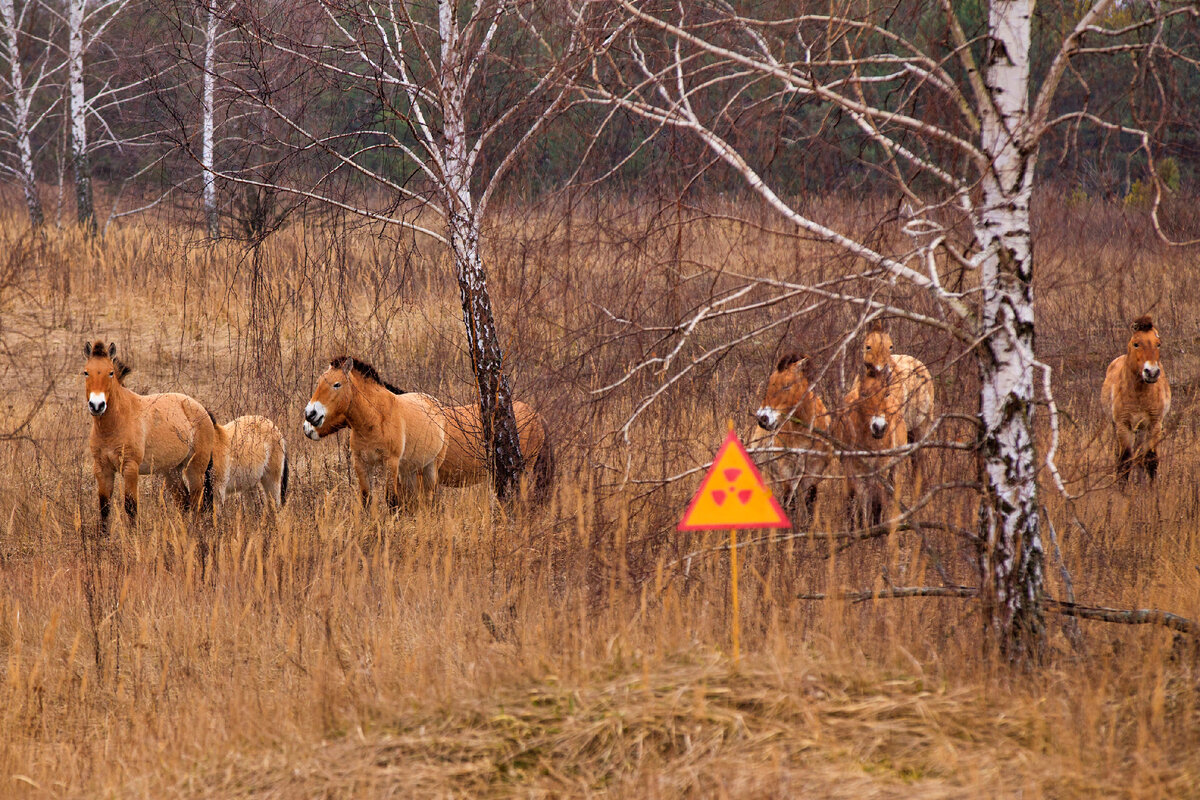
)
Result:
{"points": [[579, 648]]}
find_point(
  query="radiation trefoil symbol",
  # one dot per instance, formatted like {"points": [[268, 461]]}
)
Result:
{"points": [[733, 495]]}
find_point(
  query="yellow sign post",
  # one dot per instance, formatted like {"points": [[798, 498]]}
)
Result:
{"points": [[733, 495]]}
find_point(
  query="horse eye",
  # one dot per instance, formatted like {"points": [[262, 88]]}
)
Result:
{"points": [[110, 374], [868, 347], [337, 385], [1136, 344], [85, 373]]}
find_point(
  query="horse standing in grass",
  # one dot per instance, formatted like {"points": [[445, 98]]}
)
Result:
{"points": [[465, 458], [404, 432], [168, 434], [872, 419], [250, 452], [798, 420], [1136, 397]]}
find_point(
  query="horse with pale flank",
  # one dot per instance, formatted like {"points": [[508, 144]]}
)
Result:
{"points": [[1137, 396], [250, 453], [872, 419], [912, 382], [797, 418], [168, 434], [465, 459], [404, 432]]}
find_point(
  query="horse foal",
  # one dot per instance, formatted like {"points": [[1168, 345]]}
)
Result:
{"points": [[168, 434], [250, 453], [1136, 397]]}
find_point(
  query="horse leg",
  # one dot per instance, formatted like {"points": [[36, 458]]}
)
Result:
{"points": [[194, 473], [429, 476], [392, 482], [1150, 460], [1125, 442], [104, 487], [129, 475], [178, 488], [364, 479]]}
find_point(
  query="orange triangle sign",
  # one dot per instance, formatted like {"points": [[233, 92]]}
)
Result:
{"points": [[733, 495]]}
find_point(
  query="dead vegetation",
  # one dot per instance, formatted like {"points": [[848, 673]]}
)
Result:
{"points": [[574, 649]]}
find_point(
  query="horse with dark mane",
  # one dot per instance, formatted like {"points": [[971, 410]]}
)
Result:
{"points": [[1136, 397]]}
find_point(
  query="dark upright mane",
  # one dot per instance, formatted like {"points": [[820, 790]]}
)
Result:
{"points": [[122, 369], [1143, 323], [366, 371], [788, 360]]}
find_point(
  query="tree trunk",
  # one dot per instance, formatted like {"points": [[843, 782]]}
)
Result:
{"points": [[84, 207], [499, 435], [1013, 562], [20, 100], [211, 219]]}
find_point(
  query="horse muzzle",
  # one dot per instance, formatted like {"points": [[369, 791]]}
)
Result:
{"points": [[767, 418], [1151, 374], [97, 405], [879, 427], [311, 431]]}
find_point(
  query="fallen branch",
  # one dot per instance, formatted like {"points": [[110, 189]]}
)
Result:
{"points": [[1135, 616]]}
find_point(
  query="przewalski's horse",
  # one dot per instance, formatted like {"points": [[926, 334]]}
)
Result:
{"points": [[165, 434], [1136, 397], [250, 452], [872, 419], [798, 419], [909, 378], [404, 432], [465, 460]]}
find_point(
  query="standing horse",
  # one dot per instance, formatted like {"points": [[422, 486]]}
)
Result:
{"points": [[250, 452], [798, 420], [168, 434], [910, 379], [1136, 397], [465, 458], [402, 431], [872, 419]]}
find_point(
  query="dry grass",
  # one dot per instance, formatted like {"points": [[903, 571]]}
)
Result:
{"points": [[570, 649]]}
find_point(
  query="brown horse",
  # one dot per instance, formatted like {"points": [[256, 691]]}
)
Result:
{"points": [[250, 452], [1136, 397], [465, 458], [798, 419], [167, 434], [402, 431], [872, 419]]}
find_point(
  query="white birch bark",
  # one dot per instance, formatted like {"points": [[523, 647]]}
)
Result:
{"points": [[208, 149], [84, 207], [1013, 559], [21, 98]]}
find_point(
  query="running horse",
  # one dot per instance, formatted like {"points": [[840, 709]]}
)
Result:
{"points": [[168, 434], [1137, 396]]}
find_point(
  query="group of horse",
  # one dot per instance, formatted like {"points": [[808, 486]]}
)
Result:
{"points": [[891, 405], [419, 443]]}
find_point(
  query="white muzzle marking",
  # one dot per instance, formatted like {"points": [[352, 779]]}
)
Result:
{"points": [[1151, 372], [97, 403], [878, 426], [768, 418]]}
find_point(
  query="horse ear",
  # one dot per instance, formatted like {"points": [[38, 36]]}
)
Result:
{"points": [[877, 325], [87, 349], [347, 365], [112, 349]]}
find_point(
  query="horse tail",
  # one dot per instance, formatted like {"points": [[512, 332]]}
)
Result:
{"points": [[543, 468], [283, 481]]}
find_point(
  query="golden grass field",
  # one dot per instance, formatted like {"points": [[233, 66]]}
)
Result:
{"points": [[572, 649]]}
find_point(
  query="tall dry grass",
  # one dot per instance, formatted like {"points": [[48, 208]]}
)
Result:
{"points": [[578, 648]]}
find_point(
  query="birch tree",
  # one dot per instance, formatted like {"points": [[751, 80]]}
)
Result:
{"points": [[21, 82], [441, 120], [955, 120]]}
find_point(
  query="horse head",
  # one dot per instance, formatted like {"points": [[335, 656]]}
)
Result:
{"points": [[1142, 351], [101, 371], [330, 402], [786, 389]]}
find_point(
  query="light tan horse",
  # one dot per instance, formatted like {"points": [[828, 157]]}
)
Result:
{"points": [[871, 419], [166, 434], [912, 382], [798, 420], [250, 453], [1136, 397], [465, 459], [402, 432]]}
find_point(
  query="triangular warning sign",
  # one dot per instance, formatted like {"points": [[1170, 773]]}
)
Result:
{"points": [[733, 495]]}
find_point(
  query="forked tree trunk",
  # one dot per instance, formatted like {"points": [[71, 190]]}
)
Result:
{"points": [[20, 101], [84, 208], [207, 155], [1013, 560]]}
